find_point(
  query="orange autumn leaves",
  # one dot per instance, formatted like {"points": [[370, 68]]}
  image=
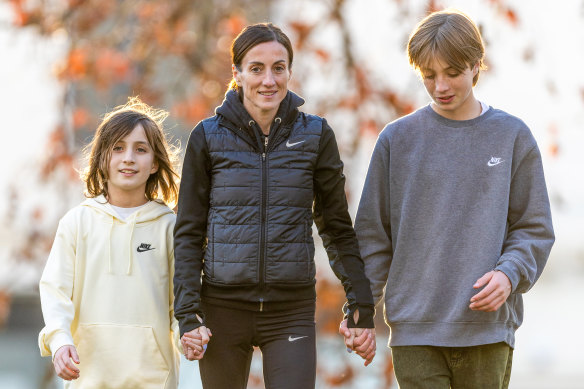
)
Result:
{"points": [[105, 67], [165, 52]]}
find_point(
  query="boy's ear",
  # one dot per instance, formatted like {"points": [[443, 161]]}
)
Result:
{"points": [[475, 69]]}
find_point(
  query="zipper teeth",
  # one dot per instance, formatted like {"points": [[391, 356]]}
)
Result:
{"points": [[263, 221], [263, 217]]}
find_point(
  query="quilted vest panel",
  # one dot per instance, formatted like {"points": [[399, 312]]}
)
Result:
{"points": [[260, 216]]}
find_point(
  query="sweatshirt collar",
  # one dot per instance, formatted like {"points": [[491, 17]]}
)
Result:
{"points": [[456, 123]]}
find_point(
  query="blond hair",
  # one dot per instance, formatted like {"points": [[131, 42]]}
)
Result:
{"points": [[161, 185], [450, 36]]}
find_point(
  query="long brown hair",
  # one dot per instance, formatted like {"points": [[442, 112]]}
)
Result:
{"points": [[161, 185]]}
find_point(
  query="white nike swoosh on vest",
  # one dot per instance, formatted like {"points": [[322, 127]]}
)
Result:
{"points": [[288, 144]]}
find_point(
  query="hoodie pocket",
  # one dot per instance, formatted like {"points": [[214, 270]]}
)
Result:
{"points": [[120, 356]]}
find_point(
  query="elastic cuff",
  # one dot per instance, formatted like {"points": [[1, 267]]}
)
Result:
{"points": [[189, 324], [366, 314]]}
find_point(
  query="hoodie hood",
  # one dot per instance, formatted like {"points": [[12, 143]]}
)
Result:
{"points": [[150, 212], [234, 114]]}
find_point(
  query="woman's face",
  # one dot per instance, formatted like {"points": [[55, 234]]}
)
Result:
{"points": [[263, 78]]}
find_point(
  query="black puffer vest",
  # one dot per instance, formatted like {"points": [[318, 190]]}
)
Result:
{"points": [[259, 227]]}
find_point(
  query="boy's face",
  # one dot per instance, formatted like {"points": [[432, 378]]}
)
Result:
{"points": [[451, 90]]}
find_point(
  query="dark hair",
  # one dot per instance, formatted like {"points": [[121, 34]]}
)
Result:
{"points": [[252, 36], [163, 184]]}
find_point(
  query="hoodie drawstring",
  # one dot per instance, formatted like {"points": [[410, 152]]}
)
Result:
{"points": [[130, 252], [109, 247]]}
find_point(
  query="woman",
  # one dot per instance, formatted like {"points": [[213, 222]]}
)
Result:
{"points": [[251, 176]]}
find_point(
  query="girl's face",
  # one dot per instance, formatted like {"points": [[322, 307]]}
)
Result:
{"points": [[264, 76], [451, 90], [130, 166]]}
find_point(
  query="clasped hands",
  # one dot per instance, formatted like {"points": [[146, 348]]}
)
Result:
{"points": [[360, 340], [195, 343]]}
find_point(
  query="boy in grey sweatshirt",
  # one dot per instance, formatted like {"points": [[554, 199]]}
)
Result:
{"points": [[454, 221]]}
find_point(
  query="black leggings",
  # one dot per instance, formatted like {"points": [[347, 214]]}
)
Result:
{"points": [[286, 338]]}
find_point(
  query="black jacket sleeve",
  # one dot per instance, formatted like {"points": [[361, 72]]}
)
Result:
{"points": [[333, 221], [190, 231]]}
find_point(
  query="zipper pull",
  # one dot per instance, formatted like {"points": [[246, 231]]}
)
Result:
{"points": [[261, 305], [265, 148]]}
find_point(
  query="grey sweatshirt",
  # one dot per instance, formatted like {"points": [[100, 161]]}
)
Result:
{"points": [[444, 203]]}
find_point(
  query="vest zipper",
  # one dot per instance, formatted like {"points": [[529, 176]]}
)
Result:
{"points": [[263, 245]]}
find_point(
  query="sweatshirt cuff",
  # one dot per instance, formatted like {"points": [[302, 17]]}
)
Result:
{"points": [[366, 314], [507, 265], [176, 335], [59, 340]]}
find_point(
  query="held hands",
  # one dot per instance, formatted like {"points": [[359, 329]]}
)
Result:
{"points": [[63, 365], [360, 340], [195, 343], [495, 293]]}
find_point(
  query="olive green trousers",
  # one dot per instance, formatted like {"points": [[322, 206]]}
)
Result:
{"points": [[429, 367]]}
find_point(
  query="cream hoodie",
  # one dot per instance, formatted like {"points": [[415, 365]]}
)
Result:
{"points": [[107, 289]]}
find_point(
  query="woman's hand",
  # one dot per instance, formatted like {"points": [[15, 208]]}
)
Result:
{"points": [[195, 342], [360, 340]]}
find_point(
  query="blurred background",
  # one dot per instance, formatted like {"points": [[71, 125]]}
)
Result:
{"points": [[64, 63]]}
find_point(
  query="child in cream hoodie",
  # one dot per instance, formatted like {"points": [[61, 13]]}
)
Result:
{"points": [[106, 291]]}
